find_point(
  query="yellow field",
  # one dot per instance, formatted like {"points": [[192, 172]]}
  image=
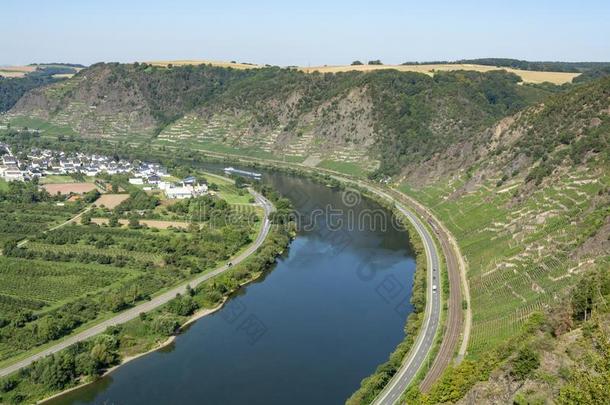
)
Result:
{"points": [[16, 71], [526, 75], [63, 75], [203, 62]]}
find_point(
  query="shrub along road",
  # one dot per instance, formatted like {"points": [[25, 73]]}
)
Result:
{"points": [[155, 302]]}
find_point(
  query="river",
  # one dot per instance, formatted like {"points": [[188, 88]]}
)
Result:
{"points": [[330, 311]]}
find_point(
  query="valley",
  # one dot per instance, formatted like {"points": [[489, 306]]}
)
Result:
{"points": [[515, 170]]}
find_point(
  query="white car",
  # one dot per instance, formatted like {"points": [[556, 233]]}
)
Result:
{"points": [[434, 288]]}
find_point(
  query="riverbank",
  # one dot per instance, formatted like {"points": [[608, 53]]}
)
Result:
{"points": [[198, 315], [324, 179]]}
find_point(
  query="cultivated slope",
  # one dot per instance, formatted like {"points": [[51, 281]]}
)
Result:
{"points": [[529, 203], [352, 121]]}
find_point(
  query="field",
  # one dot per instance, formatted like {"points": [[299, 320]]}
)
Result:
{"points": [[24, 220], [3, 185], [234, 65], [353, 169], [222, 133], [16, 71], [61, 178], [40, 283], [57, 281], [518, 256], [67, 188], [45, 127], [111, 200], [151, 223], [526, 75]]}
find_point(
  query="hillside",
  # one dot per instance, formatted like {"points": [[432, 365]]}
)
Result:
{"points": [[354, 121], [528, 201], [15, 81]]}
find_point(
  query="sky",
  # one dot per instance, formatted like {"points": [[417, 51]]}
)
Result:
{"points": [[305, 33]]}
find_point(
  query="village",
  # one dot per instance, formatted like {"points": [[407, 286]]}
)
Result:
{"points": [[42, 164]]}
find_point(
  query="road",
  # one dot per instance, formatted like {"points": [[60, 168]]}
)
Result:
{"points": [[154, 302], [458, 291]]}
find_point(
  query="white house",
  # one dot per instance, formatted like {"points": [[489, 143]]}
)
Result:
{"points": [[136, 181], [179, 193], [13, 175]]}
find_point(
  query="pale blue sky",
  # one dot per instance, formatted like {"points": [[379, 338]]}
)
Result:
{"points": [[307, 32]]}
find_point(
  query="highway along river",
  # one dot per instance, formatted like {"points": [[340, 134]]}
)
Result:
{"points": [[331, 310]]}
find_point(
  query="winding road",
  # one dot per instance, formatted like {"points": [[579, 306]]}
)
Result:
{"points": [[154, 302]]}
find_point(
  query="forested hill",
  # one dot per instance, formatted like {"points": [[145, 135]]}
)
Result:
{"points": [[384, 118]]}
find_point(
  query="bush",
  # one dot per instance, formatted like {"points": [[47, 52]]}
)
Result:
{"points": [[525, 363]]}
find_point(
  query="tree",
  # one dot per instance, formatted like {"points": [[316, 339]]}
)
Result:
{"points": [[240, 182], [85, 219], [527, 360], [134, 222], [375, 62], [113, 221], [165, 325], [357, 63]]}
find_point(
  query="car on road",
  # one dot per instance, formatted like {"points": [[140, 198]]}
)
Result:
{"points": [[434, 288]]}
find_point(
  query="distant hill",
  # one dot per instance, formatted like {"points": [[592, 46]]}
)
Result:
{"points": [[374, 120], [15, 81]]}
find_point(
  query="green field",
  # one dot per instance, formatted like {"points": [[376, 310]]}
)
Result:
{"points": [[49, 283], [56, 179], [3, 185], [18, 221], [352, 169], [229, 150], [47, 128]]}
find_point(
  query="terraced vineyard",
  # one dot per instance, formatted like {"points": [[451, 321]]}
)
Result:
{"points": [[233, 135], [521, 255]]}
